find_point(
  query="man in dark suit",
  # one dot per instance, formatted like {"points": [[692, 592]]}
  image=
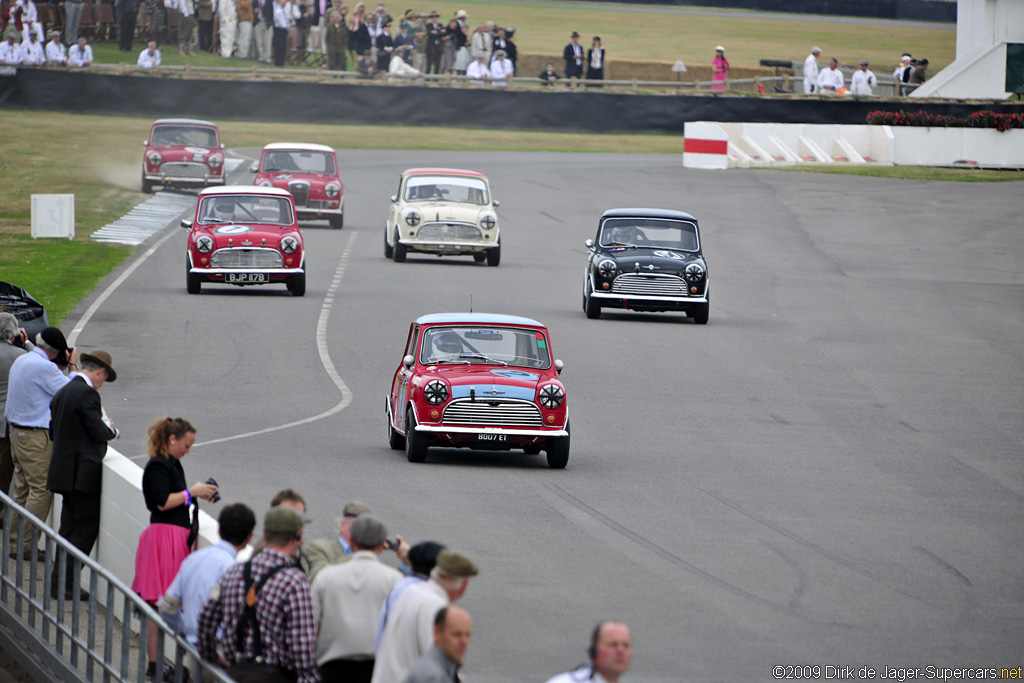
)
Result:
{"points": [[80, 432], [573, 56]]}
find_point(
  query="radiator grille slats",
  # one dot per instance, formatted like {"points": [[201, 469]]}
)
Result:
{"points": [[247, 258], [492, 413], [449, 232], [650, 285]]}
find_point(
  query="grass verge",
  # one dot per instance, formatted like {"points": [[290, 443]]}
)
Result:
{"points": [[963, 175]]}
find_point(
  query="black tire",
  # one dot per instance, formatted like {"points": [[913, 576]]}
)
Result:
{"points": [[400, 249], [389, 251], [415, 444], [700, 314], [531, 449], [147, 185], [297, 284], [193, 283], [494, 255], [558, 451], [480, 257], [395, 440], [337, 222], [591, 306]]}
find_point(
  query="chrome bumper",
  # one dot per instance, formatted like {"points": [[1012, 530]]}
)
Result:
{"points": [[225, 271], [490, 430], [652, 299], [444, 246]]}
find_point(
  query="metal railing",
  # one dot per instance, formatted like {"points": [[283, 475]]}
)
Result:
{"points": [[55, 635]]}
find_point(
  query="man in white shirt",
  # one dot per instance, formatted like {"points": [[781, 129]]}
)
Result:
{"points": [[228, 14], [830, 80], [80, 54], [55, 52], [811, 70], [397, 67], [409, 631], [347, 601], [149, 57], [501, 69], [10, 55], [478, 70], [32, 53], [610, 653], [863, 81], [899, 74]]}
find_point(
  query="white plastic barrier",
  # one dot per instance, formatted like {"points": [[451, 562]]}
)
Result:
{"points": [[706, 146]]}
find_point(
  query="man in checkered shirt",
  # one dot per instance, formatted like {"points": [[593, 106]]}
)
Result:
{"points": [[284, 611]]}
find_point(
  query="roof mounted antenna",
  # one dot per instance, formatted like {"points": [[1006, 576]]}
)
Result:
{"points": [[470, 303]]}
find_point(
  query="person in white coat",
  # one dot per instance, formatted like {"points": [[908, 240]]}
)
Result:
{"points": [[29, 19], [228, 14], [811, 71], [478, 70], [398, 69], [899, 74], [863, 81], [32, 53], [830, 80], [501, 69], [10, 55], [56, 55], [80, 55], [149, 57]]}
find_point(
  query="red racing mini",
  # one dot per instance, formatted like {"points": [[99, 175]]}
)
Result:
{"points": [[182, 153], [245, 235], [481, 381], [310, 173]]}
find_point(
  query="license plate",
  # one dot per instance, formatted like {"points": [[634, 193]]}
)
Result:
{"points": [[247, 277], [492, 437]]}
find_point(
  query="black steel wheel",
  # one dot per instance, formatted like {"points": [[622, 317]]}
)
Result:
{"points": [[558, 451]]}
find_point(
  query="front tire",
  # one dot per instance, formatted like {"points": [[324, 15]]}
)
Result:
{"points": [[591, 306], [337, 222], [558, 451], [400, 249], [494, 255], [415, 444], [193, 283], [700, 314], [389, 251], [297, 284], [395, 440], [147, 185]]}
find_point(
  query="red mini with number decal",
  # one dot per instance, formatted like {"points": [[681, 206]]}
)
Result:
{"points": [[482, 381], [182, 153]]}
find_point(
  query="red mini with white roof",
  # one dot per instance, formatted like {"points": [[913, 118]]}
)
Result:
{"points": [[310, 173], [482, 381], [182, 153], [244, 235], [444, 212]]}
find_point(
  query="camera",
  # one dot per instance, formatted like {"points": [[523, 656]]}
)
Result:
{"points": [[391, 543], [215, 498]]}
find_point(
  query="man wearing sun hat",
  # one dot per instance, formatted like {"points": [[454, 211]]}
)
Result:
{"points": [[80, 430]]}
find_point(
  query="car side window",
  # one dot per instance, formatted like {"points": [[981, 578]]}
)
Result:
{"points": [[410, 345]]}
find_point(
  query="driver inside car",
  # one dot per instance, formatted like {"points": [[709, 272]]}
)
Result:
{"points": [[623, 235], [426, 192], [221, 211], [447, 346]]}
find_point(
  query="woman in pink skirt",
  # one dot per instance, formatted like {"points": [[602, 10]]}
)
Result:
{"points": [[720, 68], [165, 542]]}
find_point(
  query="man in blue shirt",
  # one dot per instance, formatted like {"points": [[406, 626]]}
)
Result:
{"points": [[34, 380], [201, 571]]}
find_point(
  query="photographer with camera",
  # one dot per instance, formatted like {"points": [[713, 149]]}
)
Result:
{"points": [[35, 378], [327, 551], [171, 532], [12, 345]]}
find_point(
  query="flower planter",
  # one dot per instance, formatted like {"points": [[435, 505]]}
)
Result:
{"points": [[947, 146]]}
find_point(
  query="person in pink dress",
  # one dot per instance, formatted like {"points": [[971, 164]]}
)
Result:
{"points": [[720, 67]]}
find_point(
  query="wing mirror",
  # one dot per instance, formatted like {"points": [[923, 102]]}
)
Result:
{"points": [[222, 145], [558, 366], [589, 244], [394, 198], [145, 143], [187, 224], [255, 167], [408, 361], [496, 203]]}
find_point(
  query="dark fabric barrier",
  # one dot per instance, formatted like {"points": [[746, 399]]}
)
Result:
{"points": [[551, 110], [927, 10]]}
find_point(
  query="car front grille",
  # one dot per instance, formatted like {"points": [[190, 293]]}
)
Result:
{"points": [[449, 232], [300, 191], [247, 258], [184, 170], [492, 413], [650, 285], [318, 204]]}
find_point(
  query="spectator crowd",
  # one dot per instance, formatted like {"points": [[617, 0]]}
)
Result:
{"points": [[293, 610]]}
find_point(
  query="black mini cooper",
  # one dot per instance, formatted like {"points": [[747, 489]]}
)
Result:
{"points": [[647, 260]]}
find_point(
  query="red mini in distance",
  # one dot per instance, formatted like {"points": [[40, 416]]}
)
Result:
{"points": [[182, 153], [482, 381], [310, 173], [244, 235]]}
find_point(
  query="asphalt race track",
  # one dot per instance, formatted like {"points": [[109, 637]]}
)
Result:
{"points": [[828, 473]]}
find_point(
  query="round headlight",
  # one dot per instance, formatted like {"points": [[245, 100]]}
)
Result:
{"points": [[266, 183], [606, 268], [412, 218], [436, 392], [204, 244], [694, 272], [215, 161], [488, 222], [289, 244], [332, 190], [551, 396], [154, 158]]}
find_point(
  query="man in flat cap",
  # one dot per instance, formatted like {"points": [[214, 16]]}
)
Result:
{"points": [[35, 378], [327, 551], [79, 431], [811, 71], [409, 631], [863, 81], [282, 610]]}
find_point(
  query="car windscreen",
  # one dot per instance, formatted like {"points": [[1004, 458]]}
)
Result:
{"points": [[447, 189], [654, 233], [245, 209], [278, 161], [473, 345], [195, 136]]}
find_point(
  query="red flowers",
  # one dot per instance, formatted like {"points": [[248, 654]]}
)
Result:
{"points": [[979, 119]]}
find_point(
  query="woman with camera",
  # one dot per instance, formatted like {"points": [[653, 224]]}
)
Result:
{"points": [[171, 532]]}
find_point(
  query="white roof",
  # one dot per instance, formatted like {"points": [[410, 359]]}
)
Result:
{"points": [[245, 189], [299, 146]]}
